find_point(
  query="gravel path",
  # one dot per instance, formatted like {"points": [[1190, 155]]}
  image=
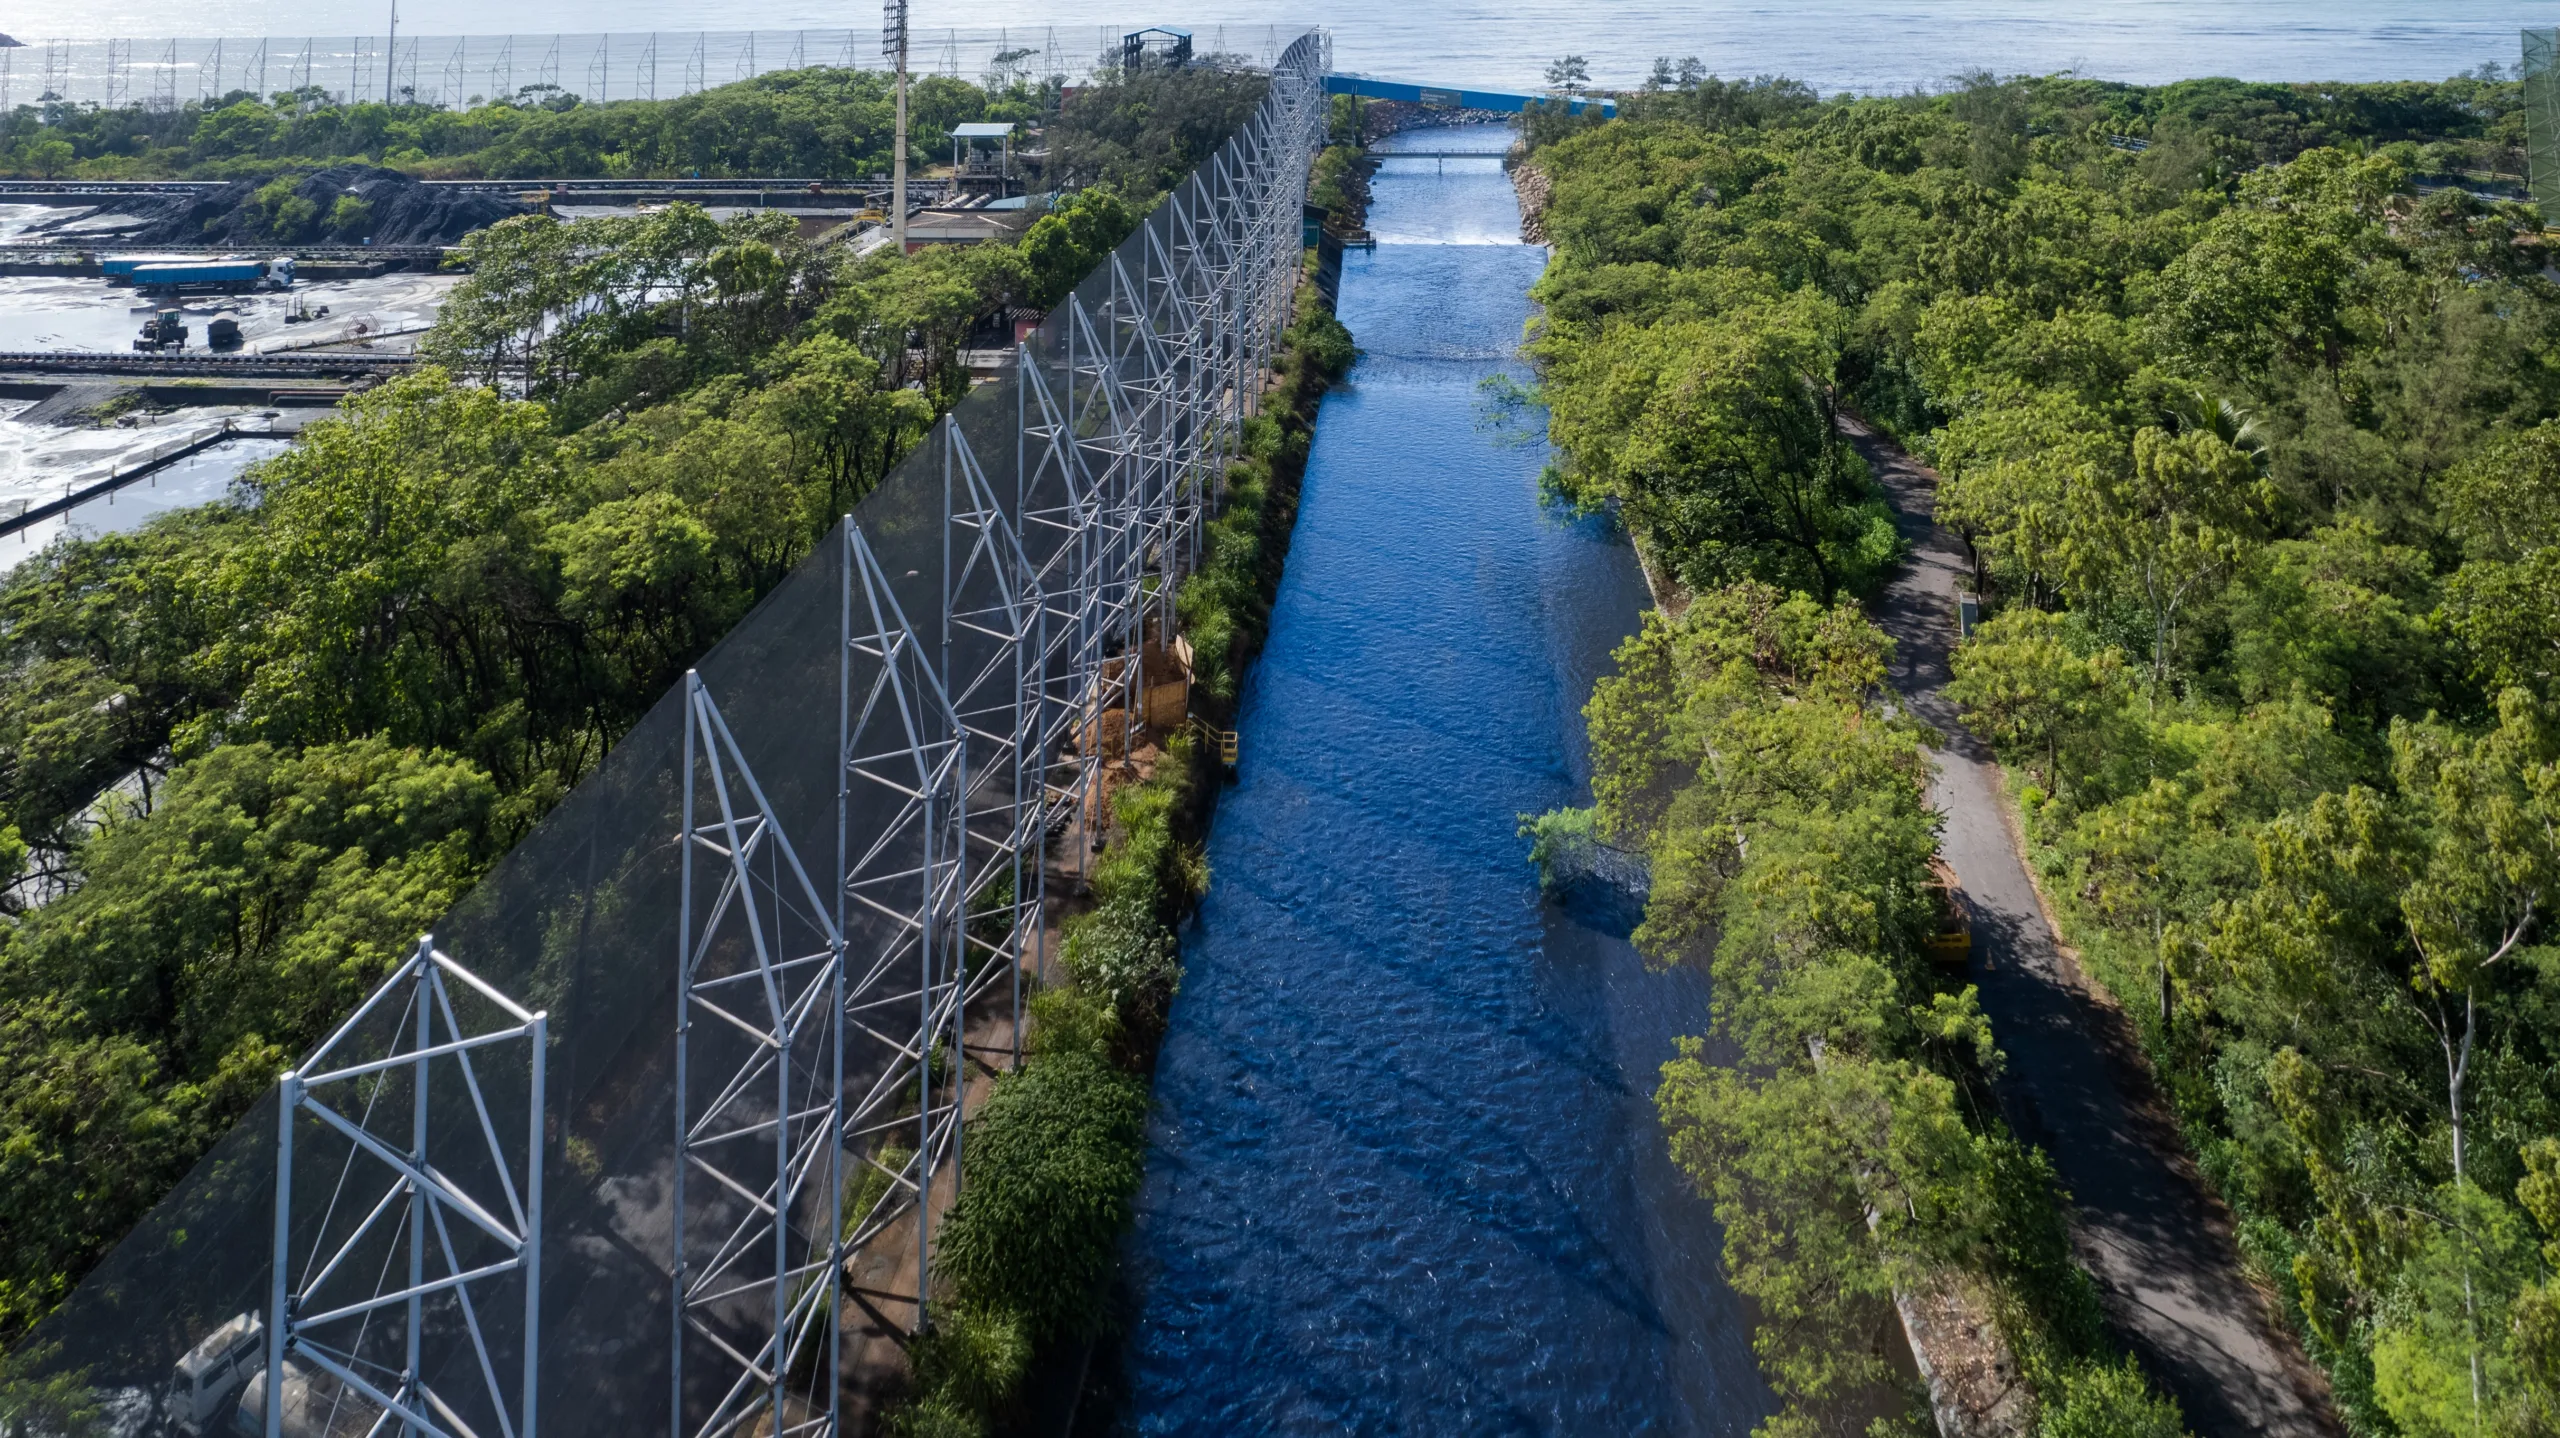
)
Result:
{"points": [[2159, 1246]]}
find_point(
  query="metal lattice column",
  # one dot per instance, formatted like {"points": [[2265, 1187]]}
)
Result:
{"points": [[902, 899], [381, 1301], [1072, 587], [758, 1177], [991, 597]]}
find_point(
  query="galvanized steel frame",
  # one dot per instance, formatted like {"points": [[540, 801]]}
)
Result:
{"points": [[767, 1137], [307, 1317], [986, 738]]}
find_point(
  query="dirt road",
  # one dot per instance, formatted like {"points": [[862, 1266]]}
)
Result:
{"points": [[2160, 1248]]}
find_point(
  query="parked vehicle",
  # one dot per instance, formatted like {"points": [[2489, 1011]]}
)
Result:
{"points": [[223, 334], [224, 276], [316, 1405], [214, 1372], [166, 330], [1951, 942]]}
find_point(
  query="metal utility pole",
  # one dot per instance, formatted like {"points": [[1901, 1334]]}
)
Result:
{"points": [[893, 39], [391, 55]]}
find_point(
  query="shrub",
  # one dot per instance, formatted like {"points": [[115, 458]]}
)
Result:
{"points": [[1124, 953], [1325, 343], [935, 1416], [973, 1360], [1055, 1156], [2108, 1400]]}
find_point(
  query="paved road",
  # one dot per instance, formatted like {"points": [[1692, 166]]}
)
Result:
{"points": [[2159, 1247]]}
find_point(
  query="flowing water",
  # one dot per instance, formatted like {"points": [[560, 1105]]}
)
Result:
{"points": [[1405, 1174]]}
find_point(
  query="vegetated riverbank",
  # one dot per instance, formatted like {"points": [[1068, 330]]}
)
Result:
{"points": [[2169, 1277], [1056, 1152], [2247, 430]]}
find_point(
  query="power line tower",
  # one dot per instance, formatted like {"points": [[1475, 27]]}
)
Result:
{"points": [[893, 45]]}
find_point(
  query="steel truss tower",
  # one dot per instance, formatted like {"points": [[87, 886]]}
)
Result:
{"points": [[760, 1040], [376, 1268], [824, 1047], [902, 837], [991, 598]]}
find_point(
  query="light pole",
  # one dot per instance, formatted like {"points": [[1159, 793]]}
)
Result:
{"points": [[893, 38]]}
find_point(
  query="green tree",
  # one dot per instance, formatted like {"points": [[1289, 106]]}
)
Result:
{"points": [[2441, 1359], [49, 158], [2025, 689], [2488, 808], [1718, 437], [2166, 529]]}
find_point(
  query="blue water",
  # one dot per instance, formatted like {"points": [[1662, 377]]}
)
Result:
{"points": [[1406, 1176], [1834, 44]]}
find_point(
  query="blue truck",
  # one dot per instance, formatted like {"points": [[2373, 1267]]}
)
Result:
{"points": [[226, 275]]}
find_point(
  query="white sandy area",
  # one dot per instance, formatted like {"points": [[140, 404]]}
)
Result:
{"points": [[49, 313], [39, 462]]}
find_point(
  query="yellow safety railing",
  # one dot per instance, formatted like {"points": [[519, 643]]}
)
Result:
{"points": [[1224, 739]]}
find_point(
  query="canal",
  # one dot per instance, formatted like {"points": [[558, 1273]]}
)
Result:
{"points": [[1405, 1174]]}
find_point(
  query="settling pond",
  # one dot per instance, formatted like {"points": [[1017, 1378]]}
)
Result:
{"points": [[1405, 1173]]}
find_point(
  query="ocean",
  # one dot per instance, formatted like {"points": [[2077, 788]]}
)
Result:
{"points": [[1862, 45]]}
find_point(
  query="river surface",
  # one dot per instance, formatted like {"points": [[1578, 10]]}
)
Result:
{"points": [[1835, 44], [1405, 1174]]}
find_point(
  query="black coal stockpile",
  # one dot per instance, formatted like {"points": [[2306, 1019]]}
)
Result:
{"points": [[342, 205]]}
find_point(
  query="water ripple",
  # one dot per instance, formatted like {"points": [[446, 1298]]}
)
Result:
{"points": [[1405, 1174]]}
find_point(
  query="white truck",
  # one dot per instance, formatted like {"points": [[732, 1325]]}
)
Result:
{"points": [[213, 1373], [219, 1390]]}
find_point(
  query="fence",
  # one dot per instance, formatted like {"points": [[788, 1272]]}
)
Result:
{"points": [[2541, 76], [451, 71], [676, 1084]]}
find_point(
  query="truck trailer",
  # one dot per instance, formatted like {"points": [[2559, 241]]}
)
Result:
{"points": [[121, 267], [213, 276]]}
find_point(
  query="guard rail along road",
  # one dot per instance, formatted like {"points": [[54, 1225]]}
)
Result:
{"points": [[599, 1158]]}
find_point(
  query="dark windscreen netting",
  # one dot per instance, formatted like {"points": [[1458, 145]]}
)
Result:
{"points": [[2540, 71], [586, 918]]}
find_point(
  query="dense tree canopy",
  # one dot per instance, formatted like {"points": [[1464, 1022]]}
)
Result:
{"points": [[2253, 427], [835, 124], [248, 750]]}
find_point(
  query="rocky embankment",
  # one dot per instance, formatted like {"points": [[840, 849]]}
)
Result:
{"points": [[391, 209], [1534, 188]]}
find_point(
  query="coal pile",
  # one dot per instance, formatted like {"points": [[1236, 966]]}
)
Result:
{"points": [[390, 209]]}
